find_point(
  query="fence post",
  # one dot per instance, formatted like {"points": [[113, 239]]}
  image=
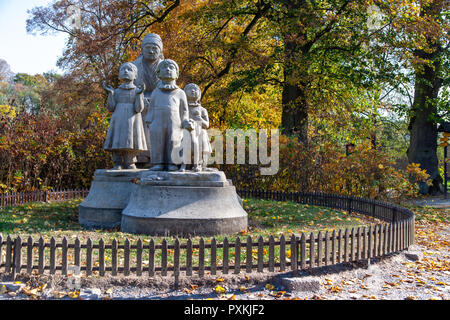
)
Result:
{"points": [[201, 257], [260, 254], [1, 249], [349, 205], [164, 257], [64, 256], [176, 263], [249, 253], [294, 255], [126, 257], [213, 256], [139, 248], [41, 264], [333, 247], [394, 214], [225, 256], [151, 257], [114, 257], [271, 254], [327, 250], [311, 250], [101, 257], [237, 256], [282, 253], [17, 261], [319, 249], [303, 251]]}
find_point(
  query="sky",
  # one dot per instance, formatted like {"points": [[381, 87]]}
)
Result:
{"points": [[26, 53]]}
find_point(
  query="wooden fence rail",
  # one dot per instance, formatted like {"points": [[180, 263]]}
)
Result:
{"points": [[173, 256], [19, 198]]}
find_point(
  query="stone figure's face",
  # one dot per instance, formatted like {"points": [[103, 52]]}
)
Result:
{"points": [[193, 93], [127, 72], [151, 51], [168, 71]]}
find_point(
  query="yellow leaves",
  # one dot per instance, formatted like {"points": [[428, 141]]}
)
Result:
{"points": [[34, 292], [288, 253], [242, 288], [219, 290], [335, 289], [74, 294], [277, 294], [220, 280], [8, 111], [269, 286]]}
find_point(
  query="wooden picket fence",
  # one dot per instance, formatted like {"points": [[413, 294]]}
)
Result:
{"points": [[18, 198], [176, 256]]}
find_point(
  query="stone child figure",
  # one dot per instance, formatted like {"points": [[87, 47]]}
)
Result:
{"points": [[167, 115], [146, 63], [126, 136], [199, 136]]}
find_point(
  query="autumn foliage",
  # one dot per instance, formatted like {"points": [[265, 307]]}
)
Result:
{"points": [[325, 167], [37, 153]]}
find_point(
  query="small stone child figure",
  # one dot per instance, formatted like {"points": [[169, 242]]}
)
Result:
{"points": [[199, 136], [126, 136]]}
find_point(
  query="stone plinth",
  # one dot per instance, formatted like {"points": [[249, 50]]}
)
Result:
{"points": [[183, 203], [108, 196]]}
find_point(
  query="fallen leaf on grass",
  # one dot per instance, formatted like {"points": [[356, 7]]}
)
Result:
{"points": [[74, 294], [219, 290], [269, 286]]}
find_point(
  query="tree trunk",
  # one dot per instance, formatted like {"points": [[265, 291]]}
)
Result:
{"points": [[294, 117], [423, 124]]}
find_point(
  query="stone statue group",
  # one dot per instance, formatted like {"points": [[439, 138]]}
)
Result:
{"points": [[155, 124]]}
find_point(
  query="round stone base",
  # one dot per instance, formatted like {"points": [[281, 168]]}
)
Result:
{"points": [[183, 227], [183, 204], [108, 196]]}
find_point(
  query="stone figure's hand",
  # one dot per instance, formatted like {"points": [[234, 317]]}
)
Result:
{"points": [[140, 89], [188, 125], [107, 88]]}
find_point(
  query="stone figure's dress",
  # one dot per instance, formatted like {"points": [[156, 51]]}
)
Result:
{"points": [[168, 109], [126, 130], [146, 75], [200, 115]]}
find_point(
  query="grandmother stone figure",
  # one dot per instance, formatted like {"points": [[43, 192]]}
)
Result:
{"points": [[146, 63]]}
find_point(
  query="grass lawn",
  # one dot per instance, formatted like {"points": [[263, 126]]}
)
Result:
{"points": [[266, 217], [60, 219]]}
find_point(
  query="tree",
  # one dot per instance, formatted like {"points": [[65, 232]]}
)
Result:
{"points": [[5, 71], [417, 46]]}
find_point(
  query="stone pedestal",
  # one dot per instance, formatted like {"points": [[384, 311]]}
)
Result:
{"points": [[108, 196], [183, 203]]}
